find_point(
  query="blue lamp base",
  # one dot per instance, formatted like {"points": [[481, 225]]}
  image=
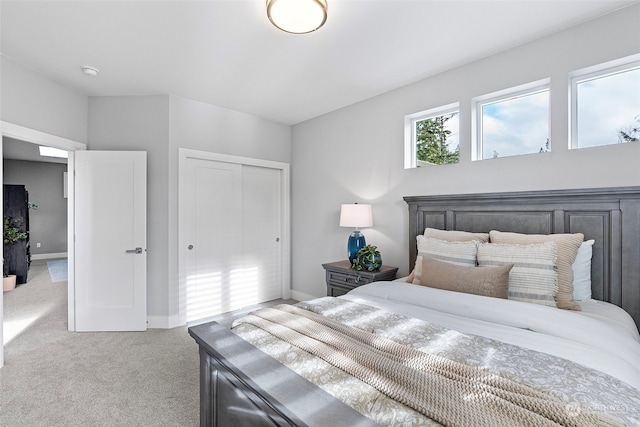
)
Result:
{"points": [[354, 244]]}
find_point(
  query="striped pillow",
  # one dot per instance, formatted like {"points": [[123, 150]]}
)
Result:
{"points": [[568, 245], [458, 253], [533, 277]]}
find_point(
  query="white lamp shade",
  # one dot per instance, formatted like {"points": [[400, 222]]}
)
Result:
{"points": [[356, 215], [297, 16]]}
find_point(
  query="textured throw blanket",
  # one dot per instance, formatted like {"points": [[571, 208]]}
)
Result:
{"points": [[449, 392]]}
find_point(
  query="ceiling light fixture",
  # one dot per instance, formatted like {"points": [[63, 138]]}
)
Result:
{"points": [[90, 71], [297, 16]]}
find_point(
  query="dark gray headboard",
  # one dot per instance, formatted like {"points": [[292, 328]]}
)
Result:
{"points": [[610, 216]]}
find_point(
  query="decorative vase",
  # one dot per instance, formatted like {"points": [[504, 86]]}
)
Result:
{"points": [[9, 282], [373, 263]]}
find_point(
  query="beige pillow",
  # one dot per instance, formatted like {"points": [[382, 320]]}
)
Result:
{"points": [[533, 277], [455, 236], [460, 253], [568, 245], [485, 281]]}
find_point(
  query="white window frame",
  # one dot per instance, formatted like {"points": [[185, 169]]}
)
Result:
{"points": [[605, 69], [410, 161], [499, 96]]}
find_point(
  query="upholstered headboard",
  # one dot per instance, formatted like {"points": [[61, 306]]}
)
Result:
{"points": [[610, 216]]}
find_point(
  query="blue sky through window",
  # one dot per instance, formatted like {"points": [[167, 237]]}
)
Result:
{"points": [[515, 126], [606, 105]]}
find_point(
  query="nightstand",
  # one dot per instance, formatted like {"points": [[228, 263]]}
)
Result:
{"points": [[341, 278]]}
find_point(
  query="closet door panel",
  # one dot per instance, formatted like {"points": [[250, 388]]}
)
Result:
{"points": [[214, 236], [261, 201]]}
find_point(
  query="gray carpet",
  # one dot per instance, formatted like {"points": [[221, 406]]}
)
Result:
{"points": [[57, 378]]}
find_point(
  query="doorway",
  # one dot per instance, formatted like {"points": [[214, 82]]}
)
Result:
{"points": [[27, 135], [233, 233], [36, 258]]}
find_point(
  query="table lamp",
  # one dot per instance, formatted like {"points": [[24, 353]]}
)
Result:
{"points": [[355, 215]]}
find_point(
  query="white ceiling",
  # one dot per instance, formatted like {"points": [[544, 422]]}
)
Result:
{"points": [[226, 53]]}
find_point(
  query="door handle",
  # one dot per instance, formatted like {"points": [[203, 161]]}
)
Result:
{"points": [[134, 251]]}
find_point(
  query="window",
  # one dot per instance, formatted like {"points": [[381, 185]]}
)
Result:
{"points": [[431, 137], [605, 104], [512, 122]]}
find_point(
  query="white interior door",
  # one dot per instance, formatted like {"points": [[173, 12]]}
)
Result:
{"points": [[110, 251], [232, 220]]}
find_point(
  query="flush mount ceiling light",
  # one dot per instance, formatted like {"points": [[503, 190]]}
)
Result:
{"points": [[297, 16]]}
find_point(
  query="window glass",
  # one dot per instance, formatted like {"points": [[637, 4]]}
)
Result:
{"points": [[431, 137], [510, 126], [607, 108], [437, 140]]}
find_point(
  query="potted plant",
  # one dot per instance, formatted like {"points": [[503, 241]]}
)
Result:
{"points": [[368, 258], [11, 235]]}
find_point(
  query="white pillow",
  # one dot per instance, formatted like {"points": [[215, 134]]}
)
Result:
{"points": [[582, 272]]}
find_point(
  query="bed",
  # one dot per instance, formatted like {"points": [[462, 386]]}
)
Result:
{"points": [[588, 360]]}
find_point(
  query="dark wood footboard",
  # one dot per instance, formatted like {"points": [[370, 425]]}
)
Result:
{"points": [[242, 386]]}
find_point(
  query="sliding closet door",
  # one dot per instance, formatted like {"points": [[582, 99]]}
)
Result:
{"points": [[261, 223], [232, 236], [214, 247]]}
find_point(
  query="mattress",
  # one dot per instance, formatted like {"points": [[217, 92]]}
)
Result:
{"points": [[588, 358], [583, 338]]}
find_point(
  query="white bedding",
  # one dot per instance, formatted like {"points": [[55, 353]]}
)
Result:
{"points": [[610, 313], [601, 310], [598, 337]]}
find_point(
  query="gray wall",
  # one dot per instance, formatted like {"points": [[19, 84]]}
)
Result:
{"points": [[30, 100], [356, 153], [161, 125], [44, 182], [141, 123]]}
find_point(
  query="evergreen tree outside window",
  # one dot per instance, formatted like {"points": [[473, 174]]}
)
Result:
{"points": [[431, 137], [436, 140]]}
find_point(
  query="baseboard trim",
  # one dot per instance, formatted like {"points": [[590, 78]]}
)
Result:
{"points": [[163, 322], [49, 256], [301, 296]]}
